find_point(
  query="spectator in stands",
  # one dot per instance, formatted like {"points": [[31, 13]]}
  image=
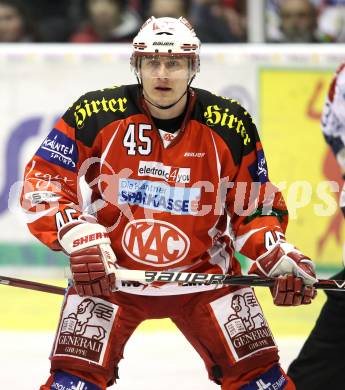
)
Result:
{"points": [[140, 6], [332, 20], [297, 22], [170, 8], [56, 19], [220, 20], [107, 21], [15, 23]]}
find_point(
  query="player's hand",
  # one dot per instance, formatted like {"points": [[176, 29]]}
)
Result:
{"points": [[294, 271], [92, 259]]}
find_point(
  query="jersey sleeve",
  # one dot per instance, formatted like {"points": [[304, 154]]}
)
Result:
{"points": [[257, 209], [51, 195], [333, 114]]}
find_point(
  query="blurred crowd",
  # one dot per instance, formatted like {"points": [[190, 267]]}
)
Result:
{"points": [[300, 21], [219, 21]]}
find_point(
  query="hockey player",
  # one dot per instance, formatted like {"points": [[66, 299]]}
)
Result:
{"points": [[320, 364], [168, 165]]}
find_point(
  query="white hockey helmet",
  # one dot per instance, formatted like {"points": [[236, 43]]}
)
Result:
{"points": [[166, 37]]}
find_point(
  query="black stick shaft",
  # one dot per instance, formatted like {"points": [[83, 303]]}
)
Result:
{"points": [[7, 281], [322, 284]]}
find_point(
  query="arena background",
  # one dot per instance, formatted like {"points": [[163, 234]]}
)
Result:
{"points": [[282, 86]]}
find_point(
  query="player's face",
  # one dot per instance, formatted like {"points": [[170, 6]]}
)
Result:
{"points": [[164, 78], [11, 24], [297, 20]]}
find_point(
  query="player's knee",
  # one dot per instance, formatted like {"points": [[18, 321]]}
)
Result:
{"points": [[62, 380], [274, 378]]}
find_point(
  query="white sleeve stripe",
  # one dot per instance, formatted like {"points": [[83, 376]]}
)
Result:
{"points": [[241, 240]]}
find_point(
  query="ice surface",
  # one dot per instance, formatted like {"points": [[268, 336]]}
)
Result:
{"points": [[152, 361]]}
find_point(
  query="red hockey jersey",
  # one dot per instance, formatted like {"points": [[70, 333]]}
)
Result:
{"points": [[183, 207]]}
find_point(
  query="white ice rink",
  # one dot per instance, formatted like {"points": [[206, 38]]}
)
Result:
{"points": [[152, 361]]}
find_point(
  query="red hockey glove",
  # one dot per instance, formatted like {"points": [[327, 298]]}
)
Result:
{"points": [[295, 272], [92, 259]]}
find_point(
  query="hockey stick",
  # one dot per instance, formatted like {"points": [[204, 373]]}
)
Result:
{"points": [[183, 278], [190, 278], [7, 281]]}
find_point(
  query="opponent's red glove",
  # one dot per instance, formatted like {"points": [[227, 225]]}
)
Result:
{"points": [[92, 259], [294, 271]]}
